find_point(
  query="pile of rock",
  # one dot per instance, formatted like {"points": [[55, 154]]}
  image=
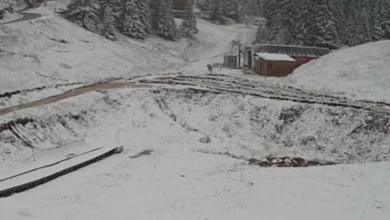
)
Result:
{"points": [[272, 161]]}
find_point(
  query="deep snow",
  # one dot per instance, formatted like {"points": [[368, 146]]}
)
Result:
{"points": [[361, 72]]}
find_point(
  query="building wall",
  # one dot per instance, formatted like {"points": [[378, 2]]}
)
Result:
{"points": [[179, 5], [275, 68], [230, 61]]}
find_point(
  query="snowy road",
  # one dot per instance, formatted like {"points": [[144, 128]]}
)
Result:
{"points": [[221, 83]]}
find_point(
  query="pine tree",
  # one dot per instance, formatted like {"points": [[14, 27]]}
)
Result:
{"points": [[251, 8], [218, 14], [289, 14], [231, 9], [85, 13], [322, 30], [304, 21], [188, 26], [145, 13], [132, 25], [273, 25], [165, 22], [260, 34], [108, 19], [382, 18], [207, 9]]}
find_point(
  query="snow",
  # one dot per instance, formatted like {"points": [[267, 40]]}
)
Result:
{"points": [[50, 50], [176, 183], [275, 57], [8, 17], [39, 158], [361, 72], [47, 171], [186, 179], [182, 178]]}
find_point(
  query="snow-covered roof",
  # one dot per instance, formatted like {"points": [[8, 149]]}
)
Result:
{"points": [[275, 57]]}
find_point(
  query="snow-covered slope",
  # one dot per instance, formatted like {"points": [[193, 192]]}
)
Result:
{"points": [[51, 50], [361, 72], [184, 178], [241, 125]]}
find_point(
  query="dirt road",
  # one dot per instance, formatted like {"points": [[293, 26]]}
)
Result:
{"points": [[72, 93], [27, 16], [216, 83]]}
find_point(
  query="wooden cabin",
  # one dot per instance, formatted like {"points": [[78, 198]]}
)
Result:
{"points": [[274, 65]]}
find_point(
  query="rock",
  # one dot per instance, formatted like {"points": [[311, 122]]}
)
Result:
{"points": [[205, 140]]}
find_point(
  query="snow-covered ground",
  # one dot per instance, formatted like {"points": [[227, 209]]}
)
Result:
{"points": [[54, 50], [8, 17], [245, 126], [184, 178], [361, 72], [50, 50]]}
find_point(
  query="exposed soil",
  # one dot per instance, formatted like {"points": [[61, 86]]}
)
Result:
{"points": [[70, 94], [10, 94], [142, 153], [272, 161]]}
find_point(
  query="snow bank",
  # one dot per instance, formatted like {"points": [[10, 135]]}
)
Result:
{"points": [[361, 72]]}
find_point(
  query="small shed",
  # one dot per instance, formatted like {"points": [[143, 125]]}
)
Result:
{"points": [[271, 64], [230, 60], [179, 5]]}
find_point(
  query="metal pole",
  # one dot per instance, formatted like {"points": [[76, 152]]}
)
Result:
{"points": [[239, 55], [265, 71]]}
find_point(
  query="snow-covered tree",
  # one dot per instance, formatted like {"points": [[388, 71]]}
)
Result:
{"points": [[231, 9], [132, 24], [213, 10], [145, 13], [218, 14], [282, 20], [322, 29], [260, 34], [207, 8], [251, 8], [85, 13], [188, 26], [163, 19], [108, 19]]}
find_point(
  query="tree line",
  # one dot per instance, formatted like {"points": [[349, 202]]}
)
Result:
{"points": [[327, 23], [134, 18]]}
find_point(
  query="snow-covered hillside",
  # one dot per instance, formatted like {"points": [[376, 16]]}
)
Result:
{"points": [[246, 126], [51, 50], [361, 72], [195, 179]]}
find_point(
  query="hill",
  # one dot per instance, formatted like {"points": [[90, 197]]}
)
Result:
{"points": [[361, 72]]}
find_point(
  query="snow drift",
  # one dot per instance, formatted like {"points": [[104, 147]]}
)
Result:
{"points": [[361, 72]]}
